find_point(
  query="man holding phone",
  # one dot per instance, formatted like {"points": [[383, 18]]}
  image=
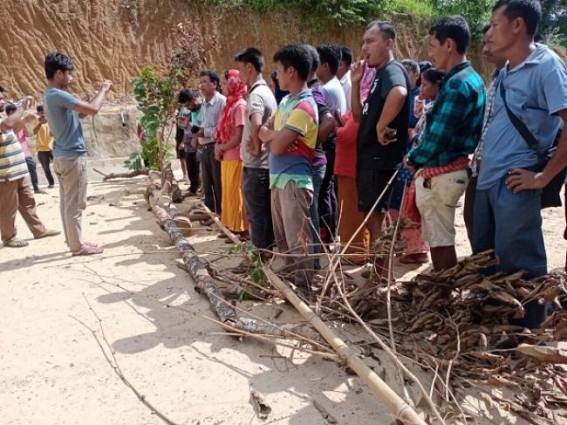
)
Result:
{"points": [[63, 111]]}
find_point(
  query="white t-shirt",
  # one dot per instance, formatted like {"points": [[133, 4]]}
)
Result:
{"points": [[347, 87]]}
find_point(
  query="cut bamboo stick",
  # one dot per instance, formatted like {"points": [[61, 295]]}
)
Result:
{"points": [[395, 404]]}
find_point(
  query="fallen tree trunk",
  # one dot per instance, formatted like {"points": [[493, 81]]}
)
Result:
{"points": [[127, 175], [199, 271], [395, 404]]}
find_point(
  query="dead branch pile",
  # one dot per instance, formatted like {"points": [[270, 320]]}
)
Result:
{"points": [[456, 322], [157, 196]]}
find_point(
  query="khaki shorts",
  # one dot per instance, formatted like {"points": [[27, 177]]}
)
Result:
{"points": [[436, 200]]}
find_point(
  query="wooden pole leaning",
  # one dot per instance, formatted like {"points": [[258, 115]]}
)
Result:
{"points": [[394, 403]]}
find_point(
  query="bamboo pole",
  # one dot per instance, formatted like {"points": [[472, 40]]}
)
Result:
{"points": [[395, 404]]}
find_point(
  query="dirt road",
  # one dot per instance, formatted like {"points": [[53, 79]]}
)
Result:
{"points": [[70, 327]]}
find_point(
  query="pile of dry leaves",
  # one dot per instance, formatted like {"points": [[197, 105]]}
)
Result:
{"points": [[457, 324]]}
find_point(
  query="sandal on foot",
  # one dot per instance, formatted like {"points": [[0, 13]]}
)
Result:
{"points": [[16, 243], [47, 233], [88, 249]]}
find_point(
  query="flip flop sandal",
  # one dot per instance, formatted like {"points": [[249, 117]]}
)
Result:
{"points": [[16, 243], [88, 249], [47, 233]]}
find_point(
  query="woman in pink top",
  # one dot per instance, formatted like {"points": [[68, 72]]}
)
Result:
{"points": [[227, 150]]}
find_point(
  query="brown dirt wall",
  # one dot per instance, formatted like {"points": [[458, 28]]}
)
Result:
{"points": [[114, 38]]}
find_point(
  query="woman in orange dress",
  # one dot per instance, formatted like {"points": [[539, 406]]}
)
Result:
{"points": [[227, 150]]}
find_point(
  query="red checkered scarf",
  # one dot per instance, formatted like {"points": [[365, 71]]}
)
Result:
{"points": [[410, 212]]}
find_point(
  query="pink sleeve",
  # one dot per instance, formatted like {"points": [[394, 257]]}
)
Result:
{"points": [[239, 114]]}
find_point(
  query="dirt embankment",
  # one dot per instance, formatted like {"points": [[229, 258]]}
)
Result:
{"points": [[115, 38]]}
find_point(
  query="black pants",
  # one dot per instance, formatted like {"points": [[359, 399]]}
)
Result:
{"points": [[468, 210], [45, 158], [33, 173], [328, 196], [193, 171], [256, 191], [210, 168]]}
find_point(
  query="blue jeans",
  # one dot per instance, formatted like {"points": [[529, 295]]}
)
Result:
{"points": [[318, 176], [510, 223], [33, 173], [256, 191]]}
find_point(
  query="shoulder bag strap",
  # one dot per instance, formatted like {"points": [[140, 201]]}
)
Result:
{"points": [[526, 134]]}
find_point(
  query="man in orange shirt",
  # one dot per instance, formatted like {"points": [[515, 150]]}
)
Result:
{"points": [[44, 144]]}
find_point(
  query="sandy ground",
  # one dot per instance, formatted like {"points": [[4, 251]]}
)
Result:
{"points": [[151, 328]]}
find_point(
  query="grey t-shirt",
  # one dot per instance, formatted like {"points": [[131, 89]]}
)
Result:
{"points": [[64, 123], [260, 100]]}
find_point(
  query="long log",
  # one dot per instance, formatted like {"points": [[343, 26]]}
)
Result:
{"points": [[126, 175], [199, 271], [395, 404]]}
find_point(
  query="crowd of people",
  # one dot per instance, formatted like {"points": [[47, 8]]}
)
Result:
{"points": [[298, 162], [300, 166]]}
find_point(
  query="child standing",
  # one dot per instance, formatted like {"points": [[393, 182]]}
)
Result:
{"points": [[291, 139]]}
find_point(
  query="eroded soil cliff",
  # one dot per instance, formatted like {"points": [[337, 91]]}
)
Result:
{"points": [[115, 38]]}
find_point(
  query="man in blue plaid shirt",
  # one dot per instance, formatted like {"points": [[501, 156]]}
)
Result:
{"points": [[451, 134]]}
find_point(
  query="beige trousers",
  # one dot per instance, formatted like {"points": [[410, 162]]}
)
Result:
{"points": [[72, 176]]}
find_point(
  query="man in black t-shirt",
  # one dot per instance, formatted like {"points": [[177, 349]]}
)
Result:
{"points": [[383, 132]]}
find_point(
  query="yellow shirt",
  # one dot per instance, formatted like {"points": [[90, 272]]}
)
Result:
{"points": [[44, 141]]}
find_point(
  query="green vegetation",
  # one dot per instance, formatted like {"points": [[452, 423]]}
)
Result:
{"points": [[554, 23], [156, 100], [348, 12]]}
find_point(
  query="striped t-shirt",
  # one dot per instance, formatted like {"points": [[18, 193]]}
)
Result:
{"points": [[299, 114], [12, 159]]}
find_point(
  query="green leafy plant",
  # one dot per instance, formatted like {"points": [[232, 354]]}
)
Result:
{"points": [[155, 95], [135, 161], [256, 273]]}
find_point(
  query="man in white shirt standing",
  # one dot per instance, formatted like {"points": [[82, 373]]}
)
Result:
{"points": [[343, 74], [329, 58], [208, 121]]}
